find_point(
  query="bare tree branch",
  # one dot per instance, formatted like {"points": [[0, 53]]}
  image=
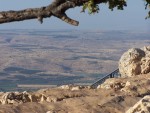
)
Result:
{"points": [[57, 8]]}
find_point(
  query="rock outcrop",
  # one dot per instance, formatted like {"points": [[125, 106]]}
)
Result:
{"points": [[135, 61], [138, 86], [24, 97], [143, 106], [20, 97]]}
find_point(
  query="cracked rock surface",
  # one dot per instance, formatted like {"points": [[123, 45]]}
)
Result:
{"points": [[135, 61]]}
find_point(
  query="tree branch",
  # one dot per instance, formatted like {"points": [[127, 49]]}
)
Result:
{"points": [[57, 8]]}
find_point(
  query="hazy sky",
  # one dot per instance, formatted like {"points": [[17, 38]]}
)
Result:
{"points": [[132, 18]]}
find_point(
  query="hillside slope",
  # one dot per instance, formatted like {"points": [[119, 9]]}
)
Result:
{"points": [[116, 95]]}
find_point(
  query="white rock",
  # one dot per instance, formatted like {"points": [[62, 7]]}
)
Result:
{"points": [[143, 106], [65, 87], [75, 88], [43, 98], [99, 86], [50, 112], [127, 84], [1, 16], [134, 62]]}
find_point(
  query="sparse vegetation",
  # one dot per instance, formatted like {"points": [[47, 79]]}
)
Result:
{"points": [[31, 59]]}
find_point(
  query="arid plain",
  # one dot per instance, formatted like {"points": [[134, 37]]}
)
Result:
{"points": [[55, 57]]}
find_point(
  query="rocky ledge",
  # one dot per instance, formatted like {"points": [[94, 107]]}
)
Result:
{"points": [[115, 95]]}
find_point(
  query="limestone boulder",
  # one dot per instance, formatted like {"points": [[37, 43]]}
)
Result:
{"points": [[135, 62]]}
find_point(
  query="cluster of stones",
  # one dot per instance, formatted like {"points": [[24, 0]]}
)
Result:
{"points": [[129, 87], [20, 97], [23, 97]]}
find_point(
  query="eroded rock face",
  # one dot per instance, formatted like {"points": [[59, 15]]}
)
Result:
{"points": [[143, 106], [135, 61]]}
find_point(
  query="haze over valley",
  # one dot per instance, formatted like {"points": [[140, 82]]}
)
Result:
{"points": [[55, 57]]}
